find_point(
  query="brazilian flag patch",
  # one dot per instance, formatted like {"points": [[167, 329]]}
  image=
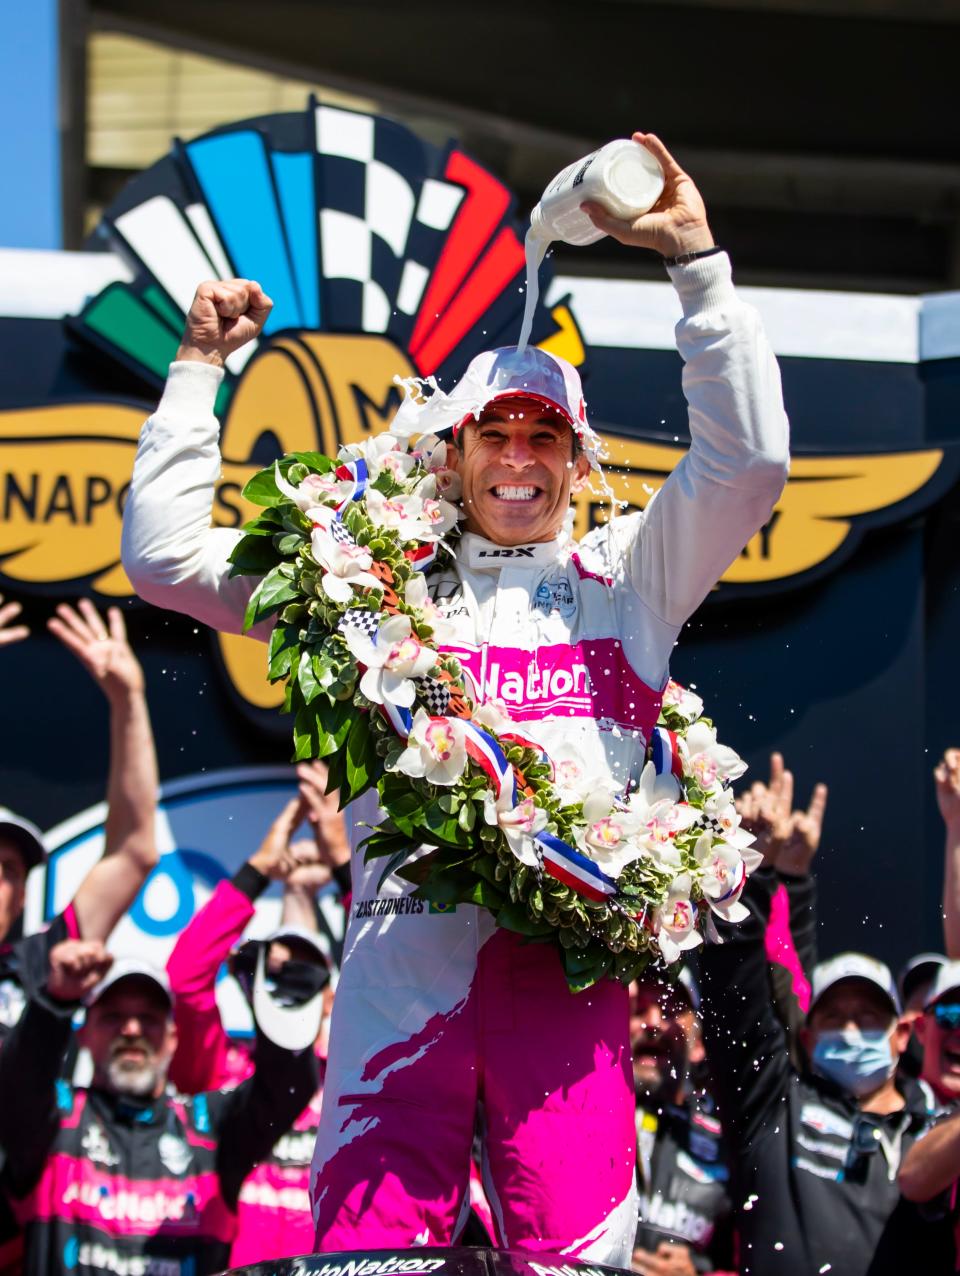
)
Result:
{"points": [[443, 908]]}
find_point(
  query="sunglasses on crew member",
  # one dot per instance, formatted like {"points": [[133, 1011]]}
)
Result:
{"points": [[947, 1014]]}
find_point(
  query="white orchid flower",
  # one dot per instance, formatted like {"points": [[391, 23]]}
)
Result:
{"points": [[345, 566], [675, 922], [659, 815], [436, 750], [685, 701], [313, 491], [710, 763], [416, 594], [573, 779], [392, 661], [608, 835], [723, 876], [519, 824], [720, 807], [493, 715]]}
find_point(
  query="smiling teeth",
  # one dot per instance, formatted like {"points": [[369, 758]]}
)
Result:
{"points": [[516, 493]]}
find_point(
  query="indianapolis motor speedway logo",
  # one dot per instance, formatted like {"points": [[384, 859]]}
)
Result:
{"points": [[384, 255]]}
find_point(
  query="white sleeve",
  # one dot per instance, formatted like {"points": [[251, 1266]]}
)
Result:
{"points": [[724, 489], [172, 555]]}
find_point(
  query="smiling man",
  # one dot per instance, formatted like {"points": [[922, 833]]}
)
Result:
{"points": [[438, 1017]]}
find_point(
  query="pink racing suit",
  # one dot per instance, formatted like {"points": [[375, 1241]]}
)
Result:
{"points": [[273, 1207], [438, 1017]]}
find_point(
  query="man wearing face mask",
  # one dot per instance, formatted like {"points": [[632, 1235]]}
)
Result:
{"points": [[815, 1153]]}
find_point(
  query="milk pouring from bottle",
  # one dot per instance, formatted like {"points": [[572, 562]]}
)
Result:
{"points": [[622, 176]]}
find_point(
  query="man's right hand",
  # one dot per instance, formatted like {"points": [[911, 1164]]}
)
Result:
{"points": [[224, 316], [76, 967]]}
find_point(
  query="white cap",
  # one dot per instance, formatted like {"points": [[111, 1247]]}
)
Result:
{"points": [[26, 835], [853, 966], [315, 940], [947, 980], [501, 374], [131, 968], [921, 967]]}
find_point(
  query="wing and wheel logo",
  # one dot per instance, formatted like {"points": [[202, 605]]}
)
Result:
{"points": [[384, 254]]}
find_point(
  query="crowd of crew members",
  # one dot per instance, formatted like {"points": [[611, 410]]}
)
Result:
{"points": [[793, 1116]]}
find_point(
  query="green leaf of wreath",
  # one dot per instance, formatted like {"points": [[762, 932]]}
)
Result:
{"points": [[516, 918], [274, 591], [282, 651], [254, 555]]}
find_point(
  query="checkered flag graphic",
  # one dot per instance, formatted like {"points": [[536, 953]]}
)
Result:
{"points": [[434, 695], [368, 622], [383, 220]]}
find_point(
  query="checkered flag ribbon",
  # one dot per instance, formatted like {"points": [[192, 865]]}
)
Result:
{"points": [[341, 533], [368, 622], [434, 695]]}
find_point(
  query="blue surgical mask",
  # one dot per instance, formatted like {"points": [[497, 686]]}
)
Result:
{"points": [[855, 1061]]}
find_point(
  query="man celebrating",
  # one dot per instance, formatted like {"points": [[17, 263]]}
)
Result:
{"points": [[123, 1175], [436, 1015]]}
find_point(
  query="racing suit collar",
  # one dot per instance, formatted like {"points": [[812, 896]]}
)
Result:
{"points": [[479, 554]]}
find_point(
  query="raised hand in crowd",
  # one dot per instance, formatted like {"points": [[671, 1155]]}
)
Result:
{"points": [[788, 839], [669, 1260], [273, 858], [10, 633], [947, 779], [76, 967], [130, 851], [323, 812]]}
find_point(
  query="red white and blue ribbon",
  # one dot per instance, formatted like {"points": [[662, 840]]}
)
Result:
{"points": [[399, 718], [483, 749], [574, 869], [423, 556], [355, 472], [665, 753]]}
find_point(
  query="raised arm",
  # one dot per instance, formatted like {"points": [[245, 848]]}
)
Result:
{"points": [[130, 850], [947, 778], [725, 488], [933, 1163], [174, 558], [251, 1118], [32, 1056], [200, 1062], [745, 1040]]}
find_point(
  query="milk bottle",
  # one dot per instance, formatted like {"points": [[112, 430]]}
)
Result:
{"points": [[622, 176]]}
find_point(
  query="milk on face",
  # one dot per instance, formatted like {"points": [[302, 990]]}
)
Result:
{"points": [[622, 176]]}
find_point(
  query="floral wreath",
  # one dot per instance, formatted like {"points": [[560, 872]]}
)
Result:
{"points": [[614, 879]]}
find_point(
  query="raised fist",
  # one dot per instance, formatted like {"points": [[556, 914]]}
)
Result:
{"points": [[224, 316], [76, 967]]}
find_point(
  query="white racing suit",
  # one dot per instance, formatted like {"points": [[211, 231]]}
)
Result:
{"points": [[437, 1016]]}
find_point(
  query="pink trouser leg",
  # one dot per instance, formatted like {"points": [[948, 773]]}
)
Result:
{"points": [[402, 1128], [558, 1099]]}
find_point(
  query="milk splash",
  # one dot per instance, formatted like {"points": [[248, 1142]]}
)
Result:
{"points": [[534, 250]]}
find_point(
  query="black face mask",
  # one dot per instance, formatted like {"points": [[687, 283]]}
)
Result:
{"points": [[294, 983]]}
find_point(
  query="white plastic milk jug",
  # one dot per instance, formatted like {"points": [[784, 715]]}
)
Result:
{"points": [[622, 176]]}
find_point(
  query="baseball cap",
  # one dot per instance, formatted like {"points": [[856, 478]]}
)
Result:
{"points": [[853, 966], [947, 980], [25, 835], [918, 970], [505, 373], [131, 968]]}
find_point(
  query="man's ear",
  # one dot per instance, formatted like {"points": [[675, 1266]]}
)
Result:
{"points": [[920, 1027], [901, 1035], [581, 473], [452, 456]]}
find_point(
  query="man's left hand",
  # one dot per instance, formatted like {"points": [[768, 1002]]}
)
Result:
{"points": [[669, 1260], [677, 223]]}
